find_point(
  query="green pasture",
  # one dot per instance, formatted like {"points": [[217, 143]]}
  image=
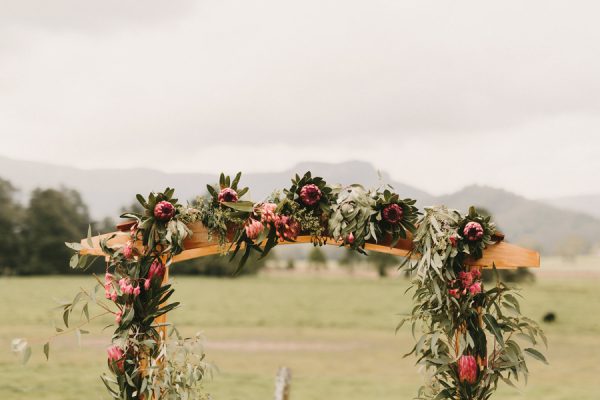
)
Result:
{"points": [[336, 334]]}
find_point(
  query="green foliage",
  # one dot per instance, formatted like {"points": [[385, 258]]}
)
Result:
{"points": [[11, 224], [383, 261], [456, 318], [351, 215], [317, 258], [52, 218]]}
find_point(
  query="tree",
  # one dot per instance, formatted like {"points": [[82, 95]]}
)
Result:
{"points": [[382, 261], [11, 218], [53, 218], [350, 259], [316, 258]]}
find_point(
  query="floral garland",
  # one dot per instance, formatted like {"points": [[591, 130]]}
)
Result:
{"points": [[471, 336], [451, 304]]}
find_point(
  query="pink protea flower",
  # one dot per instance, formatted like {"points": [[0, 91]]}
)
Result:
{"points": [[475, 288], [124, 285], [393, 213], [267, 212], [128, 249], [147, 283], [473, 231], [350, 238], [253, 228], [108, 291], [164, 211], [467, 369], [136, 291], [157, 270], [227, 195], [310, 194], [118, 317], [286, 227], [454, 293], [115, 358], [466, 278], [476, 274]]}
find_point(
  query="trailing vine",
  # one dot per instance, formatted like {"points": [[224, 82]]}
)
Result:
{"points": [[471, 337]]}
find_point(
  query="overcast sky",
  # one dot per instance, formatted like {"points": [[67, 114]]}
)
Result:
{"points": [[440, 94]]}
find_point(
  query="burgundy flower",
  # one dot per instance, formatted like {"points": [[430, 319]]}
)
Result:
{"points": [[393, 213], [467, 369], [473, 231], [454, 293], [310, 194], [286, 227], [454, 240], [164, 211], [228, 195]]}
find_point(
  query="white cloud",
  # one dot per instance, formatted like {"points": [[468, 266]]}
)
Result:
{"points": [[396, 83]]}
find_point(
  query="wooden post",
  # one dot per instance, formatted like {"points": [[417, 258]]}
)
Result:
{"points": [[162, 319], [282, 384]]}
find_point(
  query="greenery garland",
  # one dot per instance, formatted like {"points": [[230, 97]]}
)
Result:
{"points": [[456, 315]]}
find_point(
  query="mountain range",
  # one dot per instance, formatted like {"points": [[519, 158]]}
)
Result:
{"points": [[543, 224]]}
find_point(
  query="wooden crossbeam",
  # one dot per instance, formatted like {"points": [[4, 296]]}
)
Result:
{"points": [[501, 254]]}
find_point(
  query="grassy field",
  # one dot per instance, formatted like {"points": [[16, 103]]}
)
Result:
{"points": [[337, 335]]}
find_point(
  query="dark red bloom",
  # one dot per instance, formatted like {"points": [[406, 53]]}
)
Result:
{"points": [[473, 231], [310, 194], [453, 240], [228, 195], [164, 211], [393, 213]]}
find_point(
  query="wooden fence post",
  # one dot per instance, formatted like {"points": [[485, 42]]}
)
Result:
{"points": [[282, 384]]}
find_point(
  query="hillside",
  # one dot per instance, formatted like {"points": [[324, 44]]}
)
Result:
{"points": [[529, 222], [590, 204], [525, 221], [107, 190]]}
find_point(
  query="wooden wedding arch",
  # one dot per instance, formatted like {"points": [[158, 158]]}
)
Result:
{"points": [[501, 254]]}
